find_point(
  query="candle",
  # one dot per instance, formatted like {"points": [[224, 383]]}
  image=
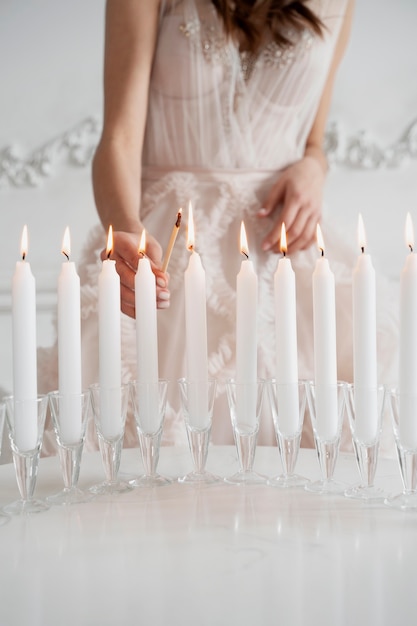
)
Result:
{"points": [[408, 345], [364, 344], [146, 340], [196, 333], [286, 342], [24, 352], [325, 362], [109, 344], [246, 338], [69, 346]]}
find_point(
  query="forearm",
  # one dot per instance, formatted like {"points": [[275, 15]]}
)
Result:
{"points": [[116, 185]]}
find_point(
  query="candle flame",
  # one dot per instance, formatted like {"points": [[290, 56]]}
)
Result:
{"points": [[24, 242], [244, 248], [191, 232], [283, 240], [66, 243], [109, 247], [409, 232], [142, 243], [320, 240], [361, 233]]}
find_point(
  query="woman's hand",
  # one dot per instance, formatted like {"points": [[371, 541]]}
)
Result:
{"points": [[296, 200], [125, 253]]}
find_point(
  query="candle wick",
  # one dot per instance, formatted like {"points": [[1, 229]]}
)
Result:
{"points": [[322, 251], [363, 249], [65, 254], [284, 253], [411, 247], [23, 256], [245, 254], [191, 247], [142, 254]]}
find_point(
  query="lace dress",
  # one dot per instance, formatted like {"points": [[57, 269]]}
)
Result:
{"points": [[221, 126]]}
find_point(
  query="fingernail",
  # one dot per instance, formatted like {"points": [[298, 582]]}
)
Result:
{"points": [[163, 304], [266, 246], [161, 282], [163, 295], [262, 211]]}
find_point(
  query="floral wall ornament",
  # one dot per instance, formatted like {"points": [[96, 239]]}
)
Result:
{"points": [[74, 147]]}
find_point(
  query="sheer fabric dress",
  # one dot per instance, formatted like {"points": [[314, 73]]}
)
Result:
{"points": [[221, 126]]}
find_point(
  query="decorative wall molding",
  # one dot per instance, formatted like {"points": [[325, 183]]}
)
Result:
{"points": [[76, 146]]}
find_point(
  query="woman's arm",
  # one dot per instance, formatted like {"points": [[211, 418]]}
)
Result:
{"points": [[130, 38], [299, 191]]}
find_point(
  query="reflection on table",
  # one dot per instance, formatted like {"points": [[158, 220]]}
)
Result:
{"points": [[223, 554]]}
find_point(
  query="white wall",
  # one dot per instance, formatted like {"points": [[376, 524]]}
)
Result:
{"points": [[51, 69]]}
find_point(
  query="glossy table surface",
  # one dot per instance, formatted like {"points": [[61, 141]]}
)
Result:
{"points": [[181, 555]]}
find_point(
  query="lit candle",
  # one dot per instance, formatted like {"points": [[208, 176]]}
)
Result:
{"points": [[364, 344], [69, 346], [196, 333], [286, 342], [325, 362], [408, 345], [246, 338], [109, 343], [24, 351], [146, 339]]}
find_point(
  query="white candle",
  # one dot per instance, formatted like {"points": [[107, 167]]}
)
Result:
{"points": [[146, 340], [286, 342], [408, 345], [24, 352], [364, 344], [196, 334], [69, 347], [109, 344], [325, 362], [246, 339]]}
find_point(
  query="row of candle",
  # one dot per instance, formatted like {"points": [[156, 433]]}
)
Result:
{"points": [[324, 318]]}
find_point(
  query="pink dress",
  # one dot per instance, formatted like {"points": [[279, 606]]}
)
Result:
{"points": [[221, 126]]}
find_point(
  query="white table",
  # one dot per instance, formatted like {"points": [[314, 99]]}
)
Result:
{"points": [[180, 555]]}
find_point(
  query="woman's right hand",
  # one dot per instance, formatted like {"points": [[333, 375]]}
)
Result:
{"points": [[125, 253]]}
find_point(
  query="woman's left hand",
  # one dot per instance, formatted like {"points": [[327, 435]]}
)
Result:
{"points": [[295, 199]]}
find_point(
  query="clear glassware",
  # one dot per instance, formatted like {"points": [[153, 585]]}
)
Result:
{"points": [[149, 403], [26, 421], [326, 405], [70, 414], [109, 411], [288, 405], [245, 405], [197, 400], [364, 409], [406, 444], [4, 517]]}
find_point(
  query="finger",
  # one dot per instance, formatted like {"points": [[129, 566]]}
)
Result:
{"points": [[275, 197], [306, 237]]}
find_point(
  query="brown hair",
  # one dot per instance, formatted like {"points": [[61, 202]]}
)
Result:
{"points": [[250, 18]]}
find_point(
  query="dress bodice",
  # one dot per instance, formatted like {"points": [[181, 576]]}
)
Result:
{"points": [[211, 106]]}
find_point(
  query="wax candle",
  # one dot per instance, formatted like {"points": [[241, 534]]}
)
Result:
{"points": [[69, 346], [246, 338], [325, 362], [364, 344], [146, 340], [196, 333], [286, 342], [408, 345], [24, 351], [109, 343]]}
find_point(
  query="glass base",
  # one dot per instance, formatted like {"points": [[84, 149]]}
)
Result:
{"points": [[105, 487], [362, 492], [154, 480], [71, 495], [26, 507], [247, 477], [199, 478], [326, 487], [404, 501], [288, 482], [4, 518]]}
